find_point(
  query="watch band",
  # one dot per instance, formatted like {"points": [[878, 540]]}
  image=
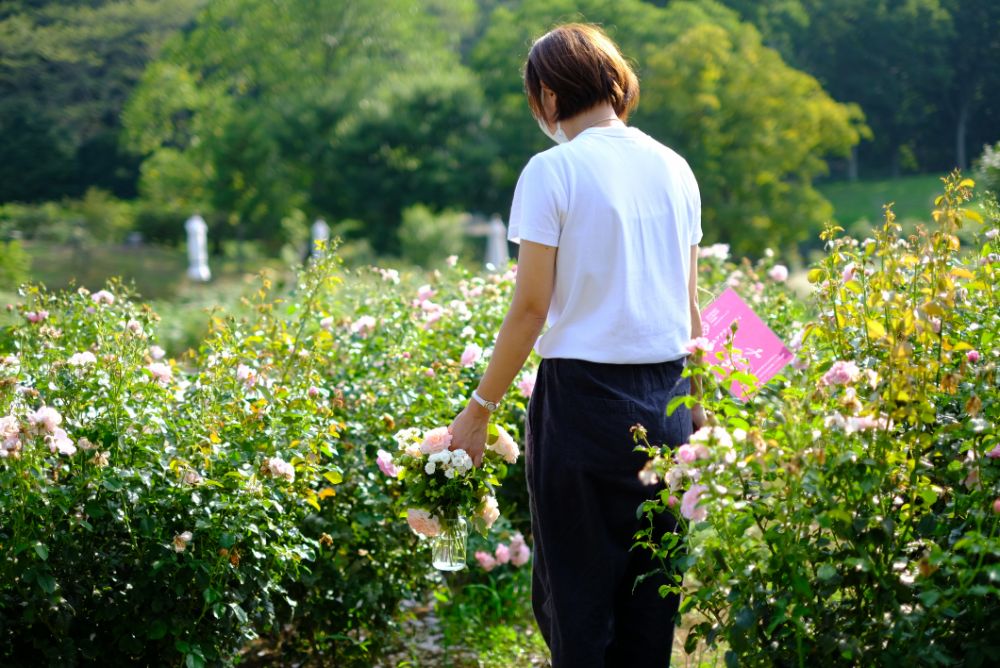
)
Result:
{"points": [[490, 406]]}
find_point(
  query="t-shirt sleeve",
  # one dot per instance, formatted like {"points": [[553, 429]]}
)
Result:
{"points": [[694, 208], [539, 205]]}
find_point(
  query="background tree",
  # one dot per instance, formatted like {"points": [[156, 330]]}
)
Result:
{"points": [[65, 73], [922, 70], [287, 105], [972, 93], [754, 130]]}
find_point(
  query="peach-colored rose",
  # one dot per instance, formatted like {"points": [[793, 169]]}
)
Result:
{"points": [[423, 522], [489, 511], [505, 446], [436, 440]]}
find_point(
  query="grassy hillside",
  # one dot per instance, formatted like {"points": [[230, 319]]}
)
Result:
{"points": [[863, 200]]}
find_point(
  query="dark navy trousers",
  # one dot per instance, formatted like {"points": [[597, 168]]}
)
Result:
{"points": [[584, 490]]}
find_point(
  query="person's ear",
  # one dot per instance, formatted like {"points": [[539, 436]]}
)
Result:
{"points": [[549, 101]]}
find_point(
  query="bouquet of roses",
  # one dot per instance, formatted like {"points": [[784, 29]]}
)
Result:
{"points": [[441, 487]]}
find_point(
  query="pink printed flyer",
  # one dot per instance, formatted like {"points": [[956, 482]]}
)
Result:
{"points": [[761, 352]]}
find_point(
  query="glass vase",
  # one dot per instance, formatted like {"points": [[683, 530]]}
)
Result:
{"points": [[448, 547]]}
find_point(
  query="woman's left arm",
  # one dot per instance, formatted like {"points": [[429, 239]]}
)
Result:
{"points": [[536, 271]]}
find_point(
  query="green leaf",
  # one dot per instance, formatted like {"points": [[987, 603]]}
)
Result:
{"points": [[157, 630], [46, 582], [334, 476], [929, 597], [687, 401], [41, 551]]}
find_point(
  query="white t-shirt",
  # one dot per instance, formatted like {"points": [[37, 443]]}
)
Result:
{"points": [[624, 211]]}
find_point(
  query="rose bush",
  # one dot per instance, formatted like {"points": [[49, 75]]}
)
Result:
{"points": [[847, 513], [161, 510]]}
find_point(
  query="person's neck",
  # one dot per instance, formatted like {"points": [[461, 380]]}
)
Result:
{"points": [[603, 115]]}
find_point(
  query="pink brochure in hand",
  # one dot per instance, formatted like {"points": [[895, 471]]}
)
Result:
{"points": [[765, 354]]}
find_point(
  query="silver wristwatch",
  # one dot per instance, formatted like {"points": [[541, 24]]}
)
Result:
{"points": [[490, 406]]}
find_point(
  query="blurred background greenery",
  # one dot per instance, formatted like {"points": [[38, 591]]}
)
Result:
{"points": [[120, 119]]}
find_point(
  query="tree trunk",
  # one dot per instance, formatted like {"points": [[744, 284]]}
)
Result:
{"points": [[852, 165], [960, 130]]}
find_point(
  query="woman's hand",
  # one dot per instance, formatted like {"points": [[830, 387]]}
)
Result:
{"points": [[468, 431]]}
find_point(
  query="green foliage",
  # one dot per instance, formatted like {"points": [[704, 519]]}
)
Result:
{"points": [[14, 264], [848, 514], [349, 109], [425, 237], [754, 130], [65, 73], [97, 216], [261, 444]]}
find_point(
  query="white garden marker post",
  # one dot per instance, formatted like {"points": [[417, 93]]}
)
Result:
{"points": [[320, 232], [496, 245], [197, 237]]}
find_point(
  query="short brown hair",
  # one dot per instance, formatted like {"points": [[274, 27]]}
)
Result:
{"points": [[584, 68]]}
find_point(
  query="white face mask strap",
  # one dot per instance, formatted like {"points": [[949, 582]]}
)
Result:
{"points": [[558, 136]]}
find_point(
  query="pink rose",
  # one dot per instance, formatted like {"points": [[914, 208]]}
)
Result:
{"points": [[279, 468], [161, 372], [312, 392], [364, 325], [690, 453], [505, 446], [38, 316], [527, 383], [82, 359], [502, 554], [486, 561], [156, 352], [451, 260], [699, 344], [436, 440], [103, 297], [671, 501], [778, 273], [715, 251], [432, 313], [689, 504], [424, 292], [45, 419], [59, 441], [423, 522], [520, 553], [972, 356], [385, 464], [471, 355], [849, 272], [246, 375], [995, 452], [429, 373], [996, 506], [972, 480], [841, 373]]}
